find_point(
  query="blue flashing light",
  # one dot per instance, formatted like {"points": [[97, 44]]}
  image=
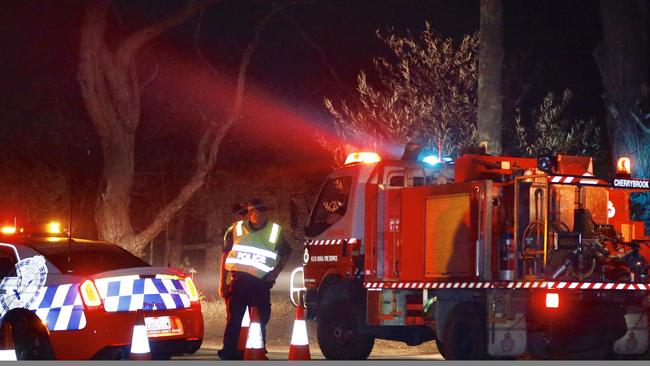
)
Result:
{"points": [[431, 160]]}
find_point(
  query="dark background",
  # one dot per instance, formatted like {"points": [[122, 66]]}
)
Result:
{"points": [[45, 130]]}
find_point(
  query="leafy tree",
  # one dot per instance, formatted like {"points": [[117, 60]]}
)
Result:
{"points": [[552, 129], [427, 95]]}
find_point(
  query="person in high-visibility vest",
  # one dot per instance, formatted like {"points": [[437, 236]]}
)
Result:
{"points": [[255, 251], [239, 211]]}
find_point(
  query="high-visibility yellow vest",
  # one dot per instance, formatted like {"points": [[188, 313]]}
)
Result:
{"points": [[253, 252]]}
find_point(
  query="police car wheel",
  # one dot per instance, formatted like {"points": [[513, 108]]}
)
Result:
{"points": [[338, 335], [31, 340], [464, 334]]}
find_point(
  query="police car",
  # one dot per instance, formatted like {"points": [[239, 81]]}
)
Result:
{"points": [[77, 299]]}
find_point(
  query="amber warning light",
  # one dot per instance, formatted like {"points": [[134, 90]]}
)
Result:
{"points": [[53, 228], [89, 294], [624, 167]]}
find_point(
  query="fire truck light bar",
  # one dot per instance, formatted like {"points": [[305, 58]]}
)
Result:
{"points": [[362, 157], [8, 230]]}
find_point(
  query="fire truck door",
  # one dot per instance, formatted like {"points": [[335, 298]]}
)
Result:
{"points": [[392, 234], [388, 216]]}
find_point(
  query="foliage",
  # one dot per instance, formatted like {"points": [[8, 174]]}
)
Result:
{"points": [[426, 95], [429, 95], [550, 128]]}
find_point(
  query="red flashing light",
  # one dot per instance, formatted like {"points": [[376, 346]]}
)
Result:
{"points": [[8, 230], [552, 300], [362, 157]]}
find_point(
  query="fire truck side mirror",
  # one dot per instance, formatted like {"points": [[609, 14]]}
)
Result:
{"points": [[297, 214]]}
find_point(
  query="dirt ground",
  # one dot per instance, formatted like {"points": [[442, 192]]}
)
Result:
{"points": [[280, 328]]}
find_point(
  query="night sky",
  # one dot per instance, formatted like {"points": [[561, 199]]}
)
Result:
{"points": [[43, 114]]}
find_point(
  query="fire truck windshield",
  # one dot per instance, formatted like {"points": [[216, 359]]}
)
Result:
{"points": [[331, 205], [88, 258]]}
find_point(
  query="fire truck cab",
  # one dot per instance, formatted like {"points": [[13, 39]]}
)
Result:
{"points": [[490, 256]]}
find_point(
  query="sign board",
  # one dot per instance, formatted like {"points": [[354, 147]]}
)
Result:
{"points": [[631, 183]]}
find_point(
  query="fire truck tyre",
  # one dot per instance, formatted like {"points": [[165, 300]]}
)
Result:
{"points": [[31, 340], [338, 335], [464, 334]]}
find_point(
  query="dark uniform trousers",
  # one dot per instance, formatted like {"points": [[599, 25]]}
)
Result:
{"points": [[245, 290]]}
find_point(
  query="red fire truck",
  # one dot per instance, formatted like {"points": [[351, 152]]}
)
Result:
{"points": [[490, 256]]}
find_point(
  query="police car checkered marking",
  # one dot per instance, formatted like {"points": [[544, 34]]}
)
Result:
{"points": [[60, 307], [131, 294]]}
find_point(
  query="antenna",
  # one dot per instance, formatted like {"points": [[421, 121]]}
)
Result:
{"points": [[71, 193]]}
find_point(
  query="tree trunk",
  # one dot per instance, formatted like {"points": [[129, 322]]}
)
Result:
{"points": [[623, 64], [489, 76], [113, 203], [111, 91]]}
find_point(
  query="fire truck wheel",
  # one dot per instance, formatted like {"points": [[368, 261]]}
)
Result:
{"points": [[31, 339], [338, 335], [464, 335]]}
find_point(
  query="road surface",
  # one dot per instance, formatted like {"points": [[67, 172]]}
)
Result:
{"points": [[382, 351]]}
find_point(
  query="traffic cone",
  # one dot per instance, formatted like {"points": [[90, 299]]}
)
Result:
{"points": [[140, 349], [243, 332], [254, 342], [299, 348], [7, 347]]}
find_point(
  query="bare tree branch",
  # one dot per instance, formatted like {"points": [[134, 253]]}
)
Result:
{"points": [[90, 65], [150, 79], [197, 46], [209, 144], [321, 53], [640, 123], [116, 12], [135, 41]]}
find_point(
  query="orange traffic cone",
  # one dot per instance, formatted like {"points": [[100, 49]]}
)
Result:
{"points": [[243, 332], [254, 342], [7, 347], [299, 348], [140, 349]]}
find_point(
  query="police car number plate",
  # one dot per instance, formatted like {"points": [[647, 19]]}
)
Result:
{"points": [[158, 325]]}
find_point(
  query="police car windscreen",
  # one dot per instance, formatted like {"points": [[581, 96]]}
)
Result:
{"points": [[88, 258]]}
